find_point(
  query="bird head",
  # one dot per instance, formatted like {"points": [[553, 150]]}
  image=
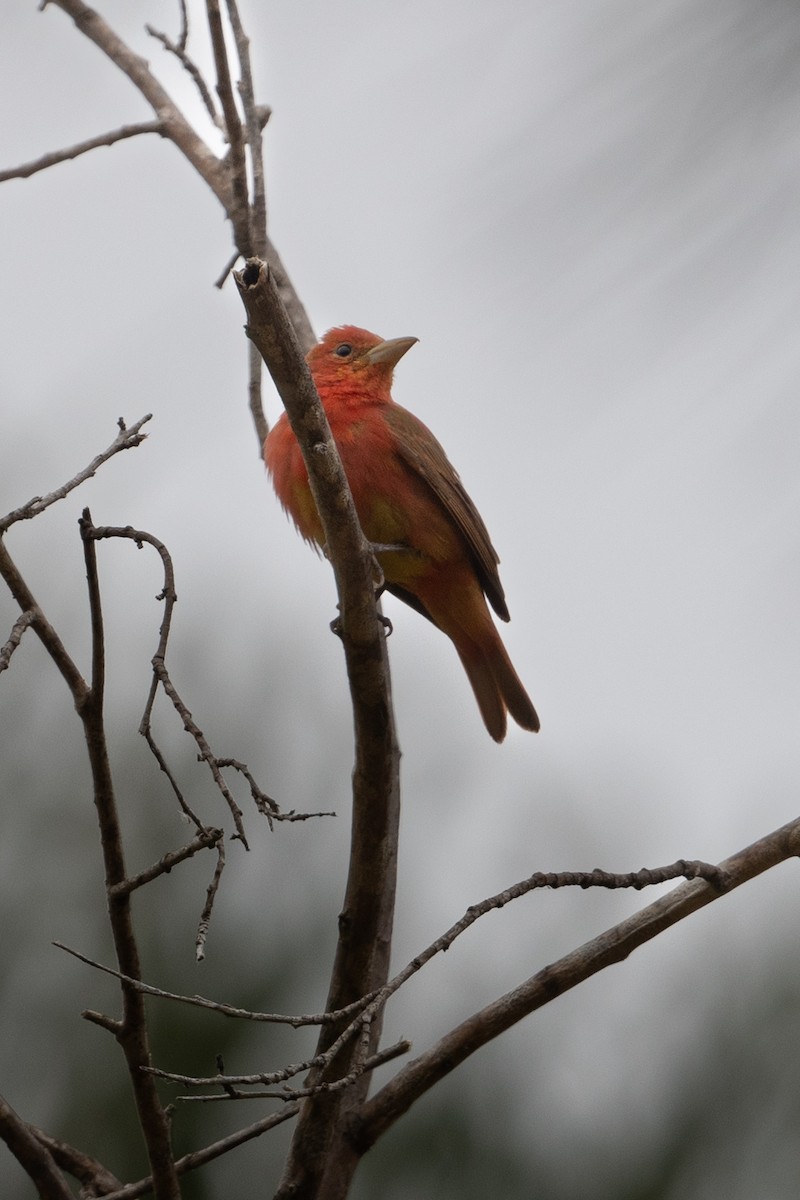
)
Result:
{"points": [[352, 358]]}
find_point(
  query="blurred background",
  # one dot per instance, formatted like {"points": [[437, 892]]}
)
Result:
{"points": [[588, 216]]}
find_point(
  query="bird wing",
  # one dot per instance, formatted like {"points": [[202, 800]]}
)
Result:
{"points": [[422, 453]]}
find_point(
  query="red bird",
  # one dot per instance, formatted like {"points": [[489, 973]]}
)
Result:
{"points": [[438, 556]]}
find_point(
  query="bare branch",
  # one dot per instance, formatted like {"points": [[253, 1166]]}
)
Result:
{"points": [[219, 282], [297, 314], [211, 895], [183, 39], [206, 755], [613, 946], [362, 957], [371, 1063], [147, 734], [131, 1033], [41, 626], [225, 1010], [25, 170], [160, 672], [96, 1179], [239, 208], [199, 1158], [103, 1021], [15, 637], [203, 841], [126, 439], [254, 397], [255, 120], [32, 1156], [179, 50], [264, 803], [175, 125]]}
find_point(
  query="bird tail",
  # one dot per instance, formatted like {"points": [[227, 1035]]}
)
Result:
{"points": [[497, 687]]}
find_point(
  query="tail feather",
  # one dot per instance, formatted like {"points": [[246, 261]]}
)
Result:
{"points": [[487, 692], [497, 688], [517, 700]]}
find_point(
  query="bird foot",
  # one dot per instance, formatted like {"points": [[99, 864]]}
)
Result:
{"points": [[336, 624]]}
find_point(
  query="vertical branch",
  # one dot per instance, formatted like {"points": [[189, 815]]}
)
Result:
{"points": [[322, 1160], [239, 211], [131, 1031], [255, 120]]}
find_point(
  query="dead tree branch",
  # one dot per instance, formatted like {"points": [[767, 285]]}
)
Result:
{"points": [[131, 1033], [613, 946], [199, 1158], [96, 1179], [32, 1155], [126, 439], [23, 622], [25, 170], [225, 1010], [362, 957]]}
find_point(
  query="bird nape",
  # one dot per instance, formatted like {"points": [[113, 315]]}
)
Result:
{"points": [[435, 553]]}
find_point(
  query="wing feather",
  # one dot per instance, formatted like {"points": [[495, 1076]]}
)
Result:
{"points": [[422, 453]]}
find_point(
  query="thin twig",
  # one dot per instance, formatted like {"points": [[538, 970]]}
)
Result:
{"points": [[211, 895], [161, 674], [239, 208], [255, 120], [126, 439], [612, 946], [41, 626], [131, 1032], [646, 877], [203, 841], [15, 637], [179, 50], [206, 754], [219, 282], [264, 803], [199, 1158], [147, 733], [175, 125], [225, 1010], [364, 1067], [183, 39], [25, 170], [254, 397]]}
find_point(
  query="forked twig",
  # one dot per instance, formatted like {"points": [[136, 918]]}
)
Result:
{"points": [[179, 50], [126, 439], [362, 1066], [203, 841]]}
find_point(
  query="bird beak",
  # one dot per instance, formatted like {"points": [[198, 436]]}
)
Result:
{"points": [[389, 352]]}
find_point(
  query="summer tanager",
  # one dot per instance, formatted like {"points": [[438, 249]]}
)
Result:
{"points": [[429, 539]]}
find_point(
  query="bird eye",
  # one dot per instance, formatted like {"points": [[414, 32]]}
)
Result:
{"points": [[344, 350]]}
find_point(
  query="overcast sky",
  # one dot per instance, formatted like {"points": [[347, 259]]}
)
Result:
{"points": [[588, 216]]}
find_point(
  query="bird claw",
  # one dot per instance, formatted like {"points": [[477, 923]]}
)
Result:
{"points": [[336, 625]]}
